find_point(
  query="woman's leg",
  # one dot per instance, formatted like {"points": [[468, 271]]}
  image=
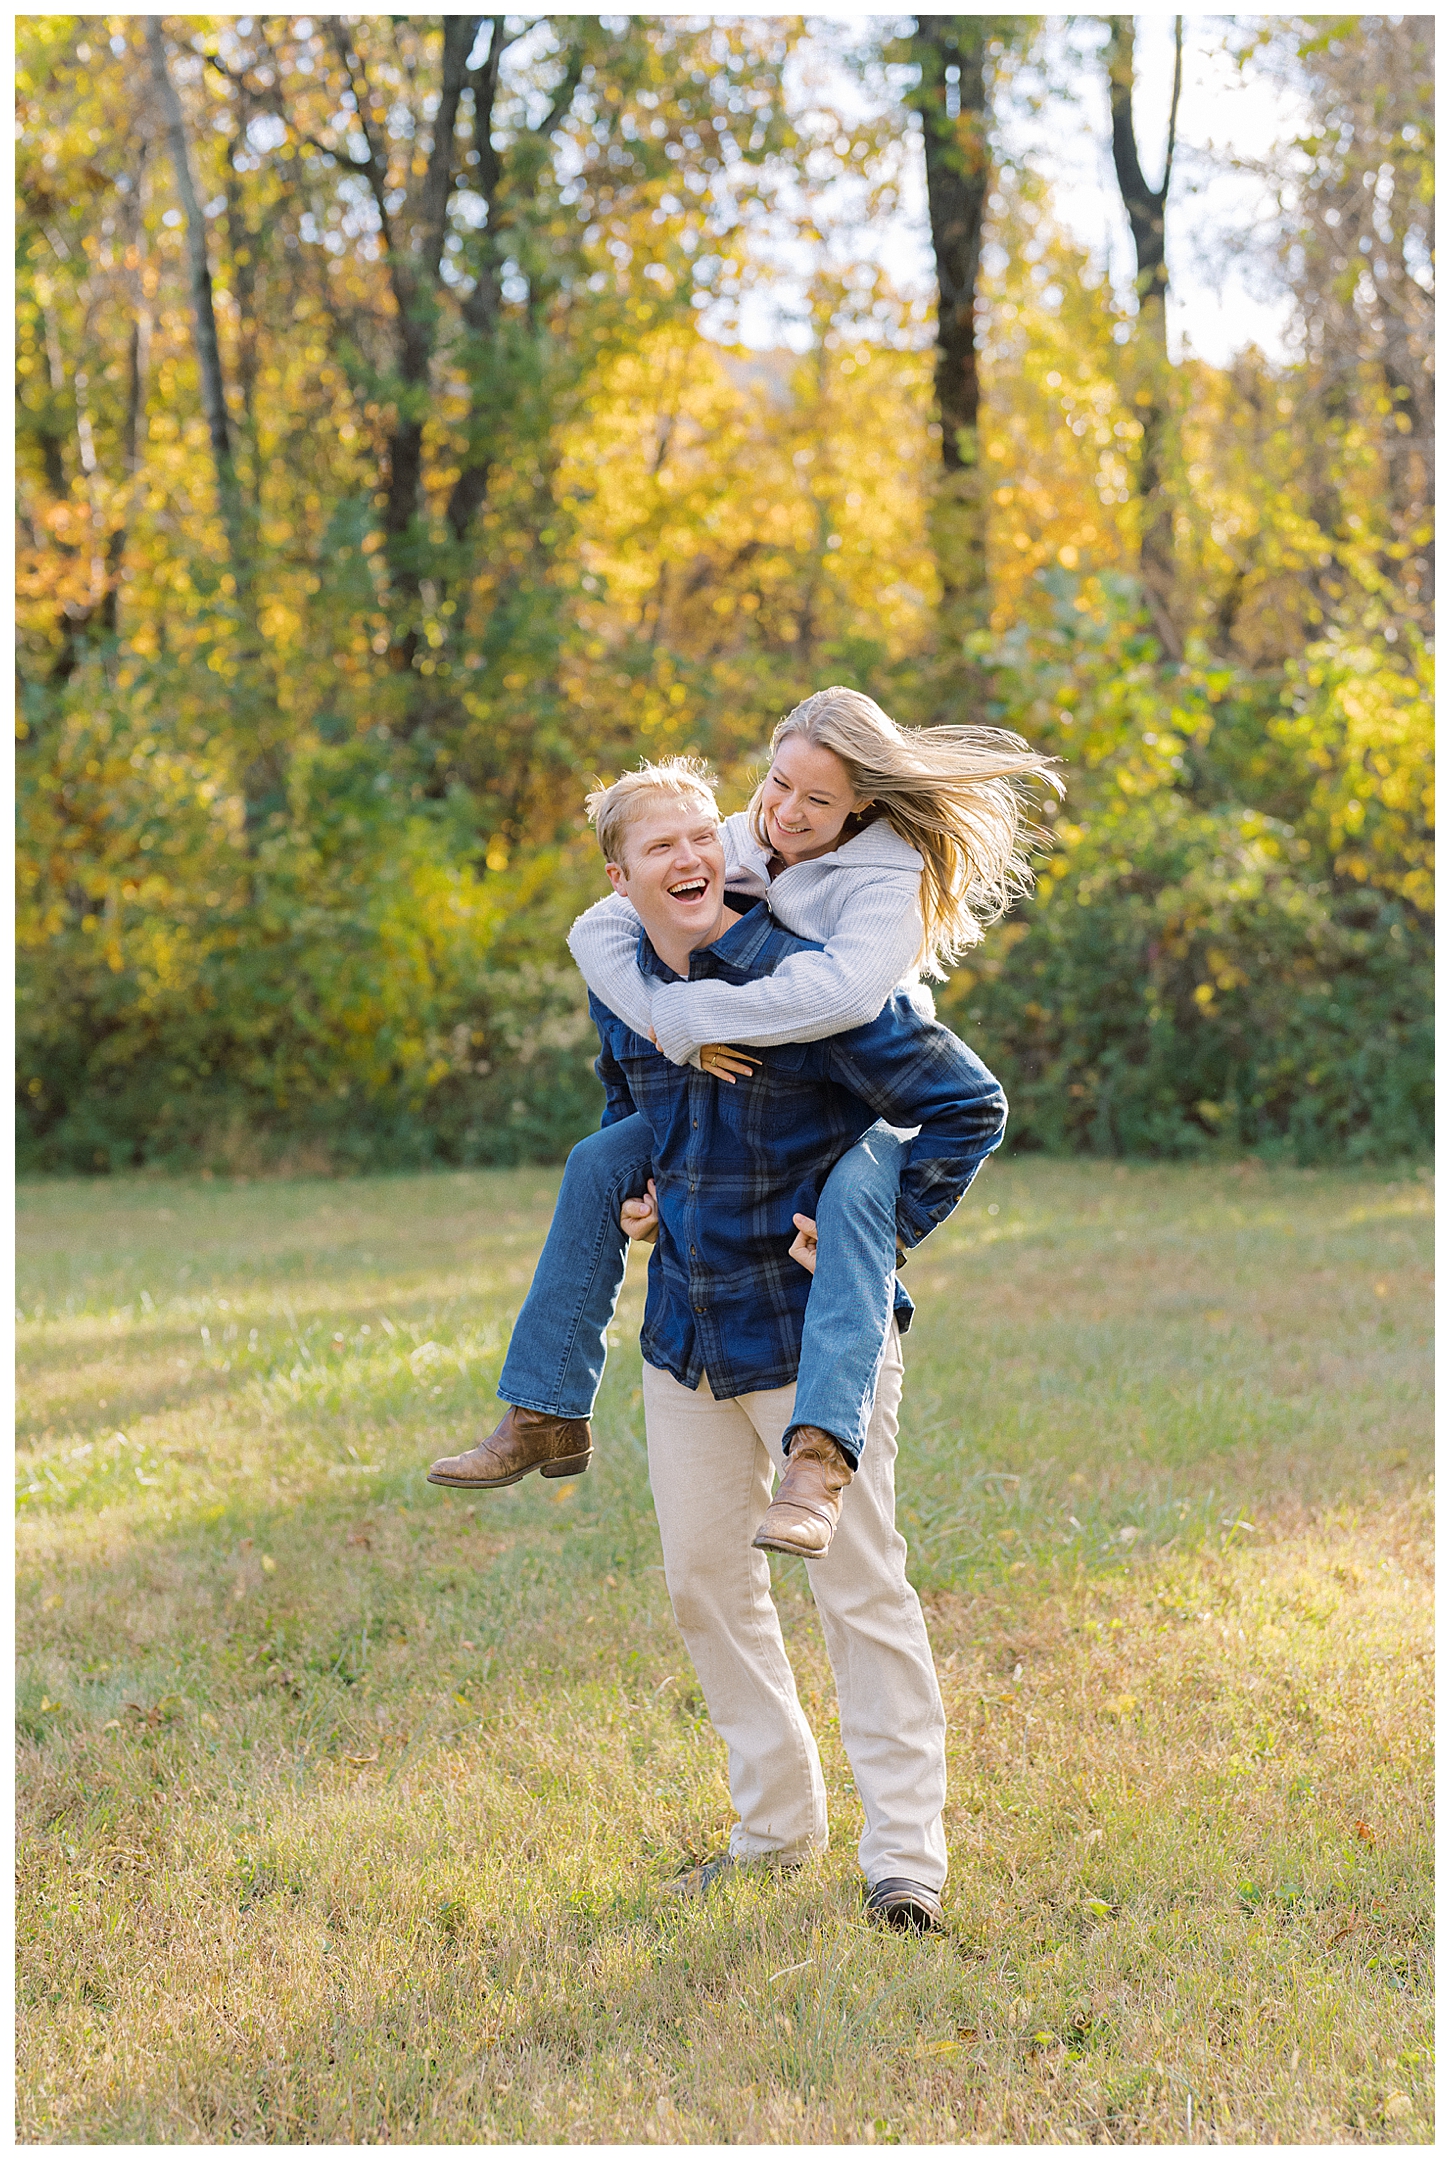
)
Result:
{"points": [[556, 1353], [848, 1317]]}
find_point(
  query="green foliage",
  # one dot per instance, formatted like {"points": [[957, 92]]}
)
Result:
{"points": [[1186, 989], [359, 985], [300, 787], [1231, 946]]}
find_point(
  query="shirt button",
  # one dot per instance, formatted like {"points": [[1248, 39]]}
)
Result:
{"points": [[699, 1308]]}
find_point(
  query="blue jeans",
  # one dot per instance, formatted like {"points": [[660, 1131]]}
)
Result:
{"points": [[556, 1354]]}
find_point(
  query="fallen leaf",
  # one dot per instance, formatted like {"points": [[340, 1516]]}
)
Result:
{"points": [[966, 2032], [1363, 1830], [47, 1704], [209, 1721], [937, 2047], [269, 1565], [1396, 2105], [361, 1761], [53, 1601]]}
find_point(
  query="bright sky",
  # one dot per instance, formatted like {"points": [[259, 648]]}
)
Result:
{"points": [[1216, 305]]}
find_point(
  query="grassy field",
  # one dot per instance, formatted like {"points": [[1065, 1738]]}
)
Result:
{"points": [[345, 1803]]}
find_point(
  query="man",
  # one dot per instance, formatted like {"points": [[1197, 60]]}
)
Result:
{"points": [[733, 1167]]}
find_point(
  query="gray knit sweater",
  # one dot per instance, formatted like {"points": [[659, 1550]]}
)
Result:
{"points": [[862, 903]]}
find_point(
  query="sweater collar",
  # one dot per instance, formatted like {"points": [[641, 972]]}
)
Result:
{"points": [[879, 847]]}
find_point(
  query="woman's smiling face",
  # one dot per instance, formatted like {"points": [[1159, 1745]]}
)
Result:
{"points": [[805, 800]]}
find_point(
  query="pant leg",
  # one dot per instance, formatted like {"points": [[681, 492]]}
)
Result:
{"points": [[848, 1317], [557, 1350], [892, 1722], [711, 1476]]}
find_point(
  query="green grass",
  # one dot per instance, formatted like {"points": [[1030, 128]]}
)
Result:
{"points": [[345, 1804]]}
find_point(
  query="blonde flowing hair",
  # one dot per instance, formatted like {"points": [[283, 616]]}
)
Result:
{"points": [[955, 794]]}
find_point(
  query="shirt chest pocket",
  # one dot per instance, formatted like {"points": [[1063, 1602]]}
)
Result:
{"points": [[783, 1096], [786, 1058]]}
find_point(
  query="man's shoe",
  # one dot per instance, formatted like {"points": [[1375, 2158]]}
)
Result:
{"points": [[700, 1881], [523, 1440], [897, 1902], [802, 1517]]}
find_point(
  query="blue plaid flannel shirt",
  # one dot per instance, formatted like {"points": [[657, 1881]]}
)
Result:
{"points": [[732, 1165]]}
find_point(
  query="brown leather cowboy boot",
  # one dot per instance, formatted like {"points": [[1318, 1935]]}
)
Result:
{"points": [[802, 1517], [523, 1440]]}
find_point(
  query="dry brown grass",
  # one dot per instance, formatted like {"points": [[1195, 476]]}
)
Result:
{"points": [[345, 1806]]}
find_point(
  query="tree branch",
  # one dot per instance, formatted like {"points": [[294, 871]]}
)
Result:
{"points": [[375, 166]]}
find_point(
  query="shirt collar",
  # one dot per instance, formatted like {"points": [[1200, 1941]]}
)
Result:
{"points": [[739, 946]]}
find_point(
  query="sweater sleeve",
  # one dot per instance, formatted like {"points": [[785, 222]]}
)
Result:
{"points": [[810, 995], [605, 942]]}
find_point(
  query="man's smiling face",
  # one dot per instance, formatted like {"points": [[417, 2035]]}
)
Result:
{"points": [[674, 873]]}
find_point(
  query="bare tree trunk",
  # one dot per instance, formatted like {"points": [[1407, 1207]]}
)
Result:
{"points": [[415, 278], [481, 310], [952, 100], [1145, 207], [208, 351], [138, 368], [264, 773], [244, 247]]}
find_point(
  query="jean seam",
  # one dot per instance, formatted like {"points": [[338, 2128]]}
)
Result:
{"points": [[614, 1194]]}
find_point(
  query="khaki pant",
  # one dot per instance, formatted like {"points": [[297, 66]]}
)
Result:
{"points": [[710, 1468]]}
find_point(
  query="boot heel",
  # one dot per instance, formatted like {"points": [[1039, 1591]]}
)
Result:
{"points": [[567, 1465]]}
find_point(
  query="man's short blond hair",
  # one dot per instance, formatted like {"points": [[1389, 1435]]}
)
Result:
{"points": [[611, 808]]}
